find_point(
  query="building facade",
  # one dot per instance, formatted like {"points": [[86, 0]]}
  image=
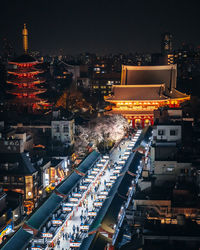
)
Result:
{"points": [[144, 89]]}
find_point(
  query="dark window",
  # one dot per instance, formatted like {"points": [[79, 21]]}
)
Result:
{"points": [[173, 132], [160, 132]]}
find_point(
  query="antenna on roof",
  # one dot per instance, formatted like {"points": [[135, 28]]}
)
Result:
{"points": [[25, 39]]}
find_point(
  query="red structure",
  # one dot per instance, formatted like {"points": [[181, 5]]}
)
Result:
{"points": [[25, 77], [144, 89]]}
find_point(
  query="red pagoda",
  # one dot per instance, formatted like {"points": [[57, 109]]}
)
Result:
{"points": [[25, 77]]}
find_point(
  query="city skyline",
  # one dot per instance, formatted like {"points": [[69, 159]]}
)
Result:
{"points": [[98, 27]]}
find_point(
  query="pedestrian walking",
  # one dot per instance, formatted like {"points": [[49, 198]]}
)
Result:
{"points": [[58, 243], [63, 236], [70, 235], [81, 217], [74, 229], [77, 229], [66, 236]]}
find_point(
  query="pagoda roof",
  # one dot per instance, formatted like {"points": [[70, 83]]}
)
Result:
{"points": [[153, 92], [26, 90], [26, 80], [25, 58], [166, 74], [25, 71]]}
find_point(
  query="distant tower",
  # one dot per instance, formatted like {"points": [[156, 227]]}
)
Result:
{"points": [[166, 43], [25, 39]]}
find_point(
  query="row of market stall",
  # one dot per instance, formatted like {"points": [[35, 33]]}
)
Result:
{"points": [[105, 228]]}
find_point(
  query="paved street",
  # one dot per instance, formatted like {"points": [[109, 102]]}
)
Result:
{"points": [[72, 232]]}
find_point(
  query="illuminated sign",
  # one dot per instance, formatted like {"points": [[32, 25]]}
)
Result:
{"points": [[73, 199], [113, 177], [5, 231], [98, 204], [92, 213], [103, 160], [56, 222], [36, 248], [91, 176], [109, 184], [47, 235], [116, 171], [119, 168], [77, 195], [99, 165], [83, 187], [96, 169], [68, 209], [69, 204], [121, 162], [124, 157], [84, 227], [106, 157], [87, 180], [94, 172], [104, 192], [127, 153], [102, 197], [74, 244]]}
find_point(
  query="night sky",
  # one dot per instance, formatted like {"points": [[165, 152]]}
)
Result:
{"points": [[107, 26]]}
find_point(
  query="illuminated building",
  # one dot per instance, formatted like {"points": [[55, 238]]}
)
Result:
{"points": [[24, 77], [144, 89], [166, 43]]}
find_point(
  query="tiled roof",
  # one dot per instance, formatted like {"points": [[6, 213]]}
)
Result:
{"points": [[138, 92], [23, 165]]}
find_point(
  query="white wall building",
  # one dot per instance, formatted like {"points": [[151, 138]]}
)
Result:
{"points": [[168, 133], [63, 131]]}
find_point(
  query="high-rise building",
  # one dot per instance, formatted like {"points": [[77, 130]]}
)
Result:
{"points": [[166, 43], [25, 76]]}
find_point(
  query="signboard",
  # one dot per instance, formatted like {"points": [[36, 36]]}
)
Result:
{"points": [[56, 222], [68, 209], [36, 248], [101, 197], [47, 235], [94, 172], [91, 176], [109, 184], [113, 177], [124, 157], [103, 160], [119, 168], [73, 199], [69, 204], [96, 169], [74, 244], [83, 187], [87, 180], [92, 213], [116, 171], [121, 162], [84, 227], [78, 195], [99, 165], [98, 204], [105, 157], [127, 153], [104, 192]]}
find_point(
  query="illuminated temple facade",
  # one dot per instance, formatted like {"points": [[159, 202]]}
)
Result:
{"points": [[144, 89], [24, 75]]}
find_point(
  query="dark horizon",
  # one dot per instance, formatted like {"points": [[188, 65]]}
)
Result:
{"points": [[100, 27]]}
